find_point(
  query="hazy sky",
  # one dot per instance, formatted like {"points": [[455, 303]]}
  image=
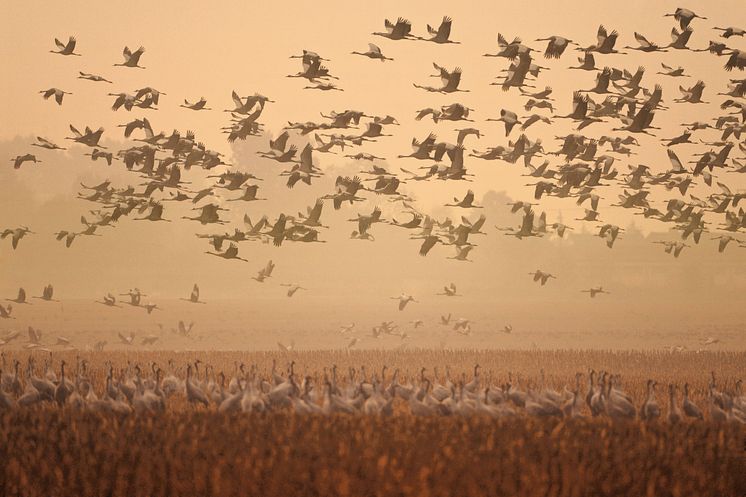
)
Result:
{"points": [[194, 51]]}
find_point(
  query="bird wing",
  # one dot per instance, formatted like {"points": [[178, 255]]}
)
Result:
{"points": [[389, 26], [601, 35], [644, 43], [236, 99], [677, 166], [444, 30], [315, 212], [424, 112], [429, 243], [527, 226], [306, 158], [477, 225], [725, 188]]}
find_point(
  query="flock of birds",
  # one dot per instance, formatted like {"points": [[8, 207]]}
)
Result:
{"points": [[149, 389], [134, 297], [583, 168], [460, 326]]}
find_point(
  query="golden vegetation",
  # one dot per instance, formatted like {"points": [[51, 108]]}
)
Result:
{"points": [[48, 450]]}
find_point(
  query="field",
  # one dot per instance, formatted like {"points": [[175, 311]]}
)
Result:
{"points": [[193, 450]]}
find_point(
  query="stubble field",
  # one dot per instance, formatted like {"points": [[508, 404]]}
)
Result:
{"points": [[476, 441]]}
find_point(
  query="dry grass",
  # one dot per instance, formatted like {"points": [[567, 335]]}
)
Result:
{"points": [[186, 452]]}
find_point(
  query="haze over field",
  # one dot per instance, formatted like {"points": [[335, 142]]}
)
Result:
{"points": [[655, 300]]}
